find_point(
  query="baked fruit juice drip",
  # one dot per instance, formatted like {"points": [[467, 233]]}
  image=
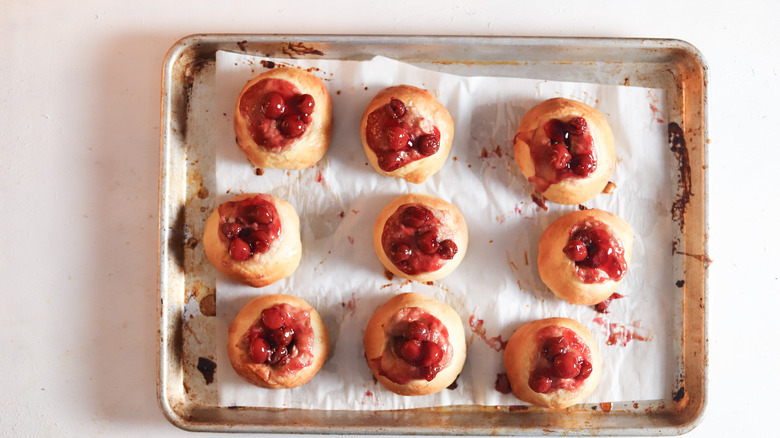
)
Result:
{"points": [[563, 361], [598, 255], [277, 113], [421, 341], [249, 226], [411, 240], [399, 135], [282, 336], [567, 152]]}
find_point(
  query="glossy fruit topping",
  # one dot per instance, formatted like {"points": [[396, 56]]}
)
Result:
{"points": [[398, 135], [249, 226], [597, 253], [563, 361], [422, 344], [282, 336], [566, 151], [276, 112], [412, 240]]}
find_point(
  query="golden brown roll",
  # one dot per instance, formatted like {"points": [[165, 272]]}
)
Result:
{"points": [[552, 363], [415, 345], [254, 239], [278, 341], [283, 119], [406, 133], [566, 150]]}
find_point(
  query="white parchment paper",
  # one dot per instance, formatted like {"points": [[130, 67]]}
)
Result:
{"points": [[497, 287]]}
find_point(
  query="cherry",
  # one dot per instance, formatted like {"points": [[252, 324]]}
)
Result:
{"points": [[231, 230], [428, 144], [415, 216], [411, 351], [279, 356], [559, 156], [306, 104], [395, 108], [428, 242], [585, 369], [259, 241], [259, 350], [390, 161], [292, 126], [577, 126], [273, 318], [273, 106], [448, 249], [260, 213], [431, 354], [398, 138], [567, 365], [240, 250], [400, 252], [540, 383], [576, 250], [583, 165], [417, 331], [282, 336], [554, 347], [556, 131]]}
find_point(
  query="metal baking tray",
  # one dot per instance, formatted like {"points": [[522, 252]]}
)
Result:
{"points": [[186, 308]]}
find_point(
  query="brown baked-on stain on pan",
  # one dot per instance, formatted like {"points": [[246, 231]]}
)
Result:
{"points": [[293, 49], [680, 150]]}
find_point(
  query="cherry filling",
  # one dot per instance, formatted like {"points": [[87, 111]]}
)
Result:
{"points": [[412, 240], [398, 135], [563, 362], [567, 151], [249, 226], [276, 112], [420, 347], [597, 253], [282, 336]]}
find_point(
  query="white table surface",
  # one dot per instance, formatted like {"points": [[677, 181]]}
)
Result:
{"points": [[79, 139]]}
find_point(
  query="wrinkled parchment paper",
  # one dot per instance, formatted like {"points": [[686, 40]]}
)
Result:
{"points": [[497, 287]]}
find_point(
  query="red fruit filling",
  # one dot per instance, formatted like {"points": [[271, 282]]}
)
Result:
{"points": [[276, 112], [282, 336], [412, 240], [567, 151], [564, 361], [597, 253], [399, 135], [419, 344], [249, 226]]}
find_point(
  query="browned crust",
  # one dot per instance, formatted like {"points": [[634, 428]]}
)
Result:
{"points": [[375, 342], [279, 262], [268, 376], [307, 149], [430, 108], [531, 127], [453, 226], [558, 272], [522, 352]]}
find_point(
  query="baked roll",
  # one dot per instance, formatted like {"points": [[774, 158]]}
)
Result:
{"points": [[406, 133], [584, 255], [278, 341], [420, 237], [566, 150], [283, 119], [415, 345], [253, 239], [552, 363]]}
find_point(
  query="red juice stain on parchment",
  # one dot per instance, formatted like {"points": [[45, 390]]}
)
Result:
{"points": [[477, 328]]}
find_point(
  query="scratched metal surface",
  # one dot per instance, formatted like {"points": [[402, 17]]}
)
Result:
{"points": [[186, 307]]}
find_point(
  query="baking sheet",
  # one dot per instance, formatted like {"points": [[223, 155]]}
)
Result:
{"points": [[187, 346], [497, 288]]}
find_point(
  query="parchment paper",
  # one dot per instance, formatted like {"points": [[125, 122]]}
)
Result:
{"points": [[497, 287]]}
